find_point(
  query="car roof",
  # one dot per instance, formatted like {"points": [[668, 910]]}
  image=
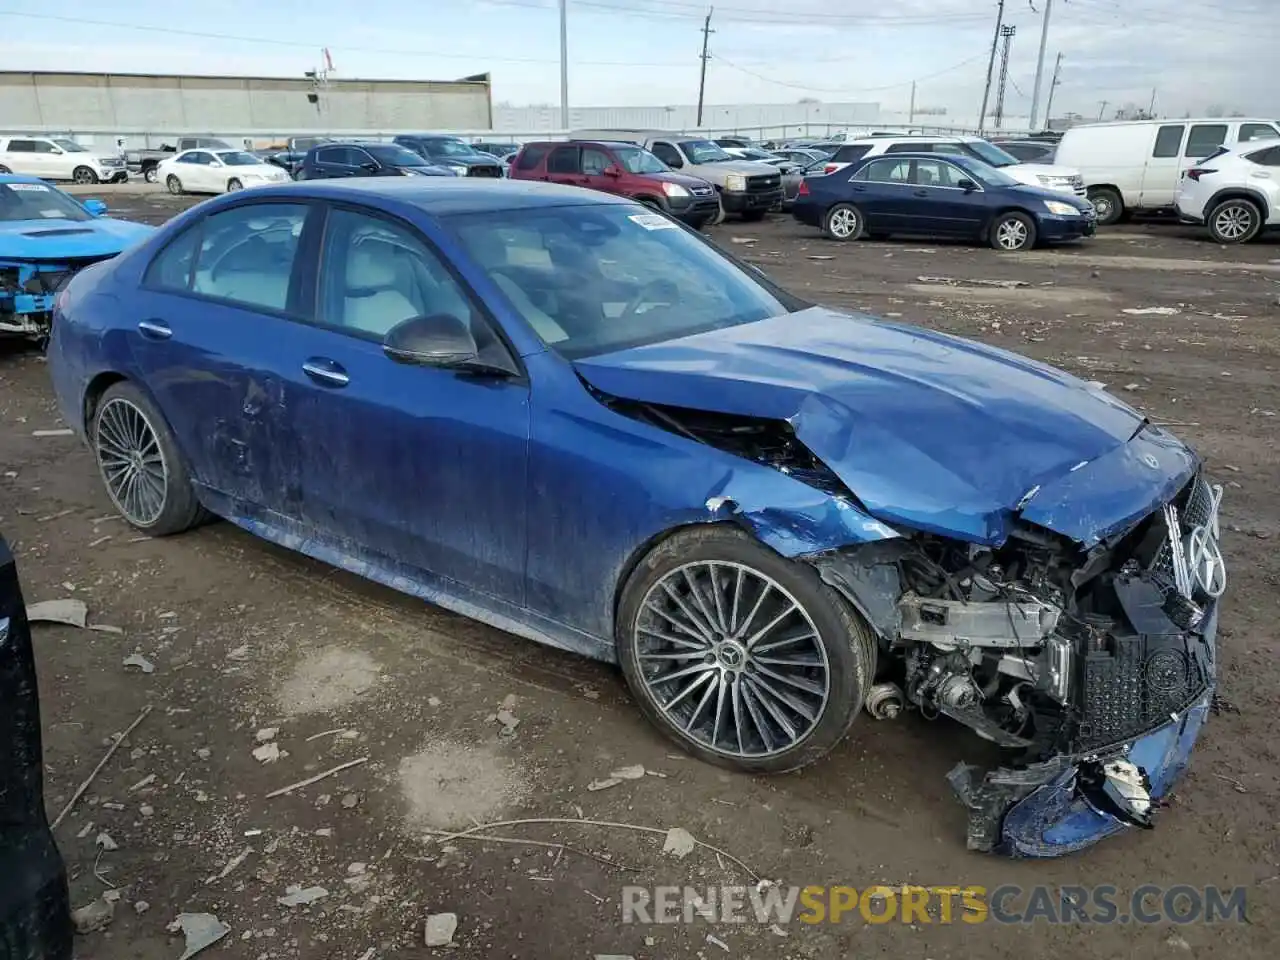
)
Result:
{"points": [[904, 138], [599, 143], [957, 158], [446, 196]]}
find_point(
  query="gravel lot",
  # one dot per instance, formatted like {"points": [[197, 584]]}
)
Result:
{"points": [[244, 636]]}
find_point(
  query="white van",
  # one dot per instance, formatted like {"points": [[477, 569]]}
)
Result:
{"points": [[1135, 165]]}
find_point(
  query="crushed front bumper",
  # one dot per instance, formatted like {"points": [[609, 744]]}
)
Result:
{"points": [[1048, 809]]}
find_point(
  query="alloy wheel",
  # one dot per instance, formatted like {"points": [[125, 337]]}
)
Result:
{"points": [[132, 462], [1233, 221], [83, 175], [732, 659], [843, 223], [1011, 234]]}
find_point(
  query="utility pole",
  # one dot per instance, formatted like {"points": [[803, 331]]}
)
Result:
{"points": [[1151, 109], [1102, 107], [1044, 39], [564, 64], [991, 65], [702, 79], [1007, 33], [1053, 85], [911, 115]]}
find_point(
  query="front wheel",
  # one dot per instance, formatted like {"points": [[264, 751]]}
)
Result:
{"points": [[1107, 204], [151, 175], [84, 175], [1234, 221], [744, 658], [234, 184], [145, 475], [174, 185], [4, 169], [843, 222], [1012, 232]]}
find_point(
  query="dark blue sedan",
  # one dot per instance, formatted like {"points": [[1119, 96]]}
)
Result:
{"points": [[572, 418], [944, 196]]}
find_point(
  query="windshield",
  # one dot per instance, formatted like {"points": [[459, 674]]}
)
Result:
{"points": [[71, 146], [592, 279], [703, 151], [753, 153], [395, 155], [237, 158], [989, 153], [639, 161], [988, 174], [37, 201], [449, 148]]}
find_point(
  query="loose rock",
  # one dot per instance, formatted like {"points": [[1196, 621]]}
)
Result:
{"points": [[93, 916], [440, 928]]}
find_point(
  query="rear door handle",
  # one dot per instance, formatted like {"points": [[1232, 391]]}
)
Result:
{"points": [[326, 372], [154, 330]]}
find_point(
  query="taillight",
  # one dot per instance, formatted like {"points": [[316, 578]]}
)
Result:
{"points": [[1195, 173], [830, 168], [804, 189]]}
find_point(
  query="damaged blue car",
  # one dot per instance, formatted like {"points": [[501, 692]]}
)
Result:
{"points": [[45, 237], [569, 417]]}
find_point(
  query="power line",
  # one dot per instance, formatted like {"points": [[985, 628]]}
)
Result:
{"points": [[762, 15], [811, 89]]}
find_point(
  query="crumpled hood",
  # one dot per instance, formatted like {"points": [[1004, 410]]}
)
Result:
{"points": [[929, 431], [60, 239]]}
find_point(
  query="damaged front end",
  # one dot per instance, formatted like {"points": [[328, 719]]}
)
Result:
{"points": [[28, 289], [1091, 669]]}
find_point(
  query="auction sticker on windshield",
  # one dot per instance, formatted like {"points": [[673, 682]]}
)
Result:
{"points": [[28, 187], [652, 221]]}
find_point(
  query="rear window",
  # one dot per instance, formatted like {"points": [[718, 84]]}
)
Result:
{"points": [[850, 153], [531, 156], [1257, 131]]}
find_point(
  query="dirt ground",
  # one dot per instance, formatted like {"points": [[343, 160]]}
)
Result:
{"points": [[245, 637]]}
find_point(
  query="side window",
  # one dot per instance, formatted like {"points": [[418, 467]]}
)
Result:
{"points": [[531, 156], [358, 158], [907, 148], [246, 254], [1204, 139], [563, 160], [666, 153], [594, 161], [1269, 157], [21, 146], [171, 269], [328, 155], [43, 146], [888, 171], [851, 153], [377, 274], [202, 158], [1257, 131], [939, 173], [1168, 140]]}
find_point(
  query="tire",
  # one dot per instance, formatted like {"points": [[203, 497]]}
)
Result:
{"points": [[127, 428], [4, 169], [174, 185], [753, 216], [234, 184], [1108, 204], [151, 175], [84, 175], [727, 719], [843, 222], [1237, 220], [1013, 232]]}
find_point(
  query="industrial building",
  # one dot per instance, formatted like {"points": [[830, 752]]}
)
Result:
{"points": [[147, 109]]}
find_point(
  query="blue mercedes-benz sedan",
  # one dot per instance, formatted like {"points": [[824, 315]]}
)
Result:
{"points": [[570, 417], [942, 195]]}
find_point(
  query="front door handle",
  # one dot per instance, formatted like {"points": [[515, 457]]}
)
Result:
{"points": [[326, 372], [154, 330], [920, 193]]}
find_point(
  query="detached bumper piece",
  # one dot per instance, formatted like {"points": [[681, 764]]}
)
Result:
{"points": [[28, 289]]}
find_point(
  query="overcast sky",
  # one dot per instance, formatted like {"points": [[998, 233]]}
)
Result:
{"points": [[1194, 53]]}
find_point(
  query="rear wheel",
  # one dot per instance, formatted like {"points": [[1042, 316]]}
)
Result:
{"points": [[1234, 221], [141, 467], [4, 169], [843, 222], [84, 175], [173, 184], [1108, 204], [746, 659], [1012, 232], [150, 174], [234, 184]]}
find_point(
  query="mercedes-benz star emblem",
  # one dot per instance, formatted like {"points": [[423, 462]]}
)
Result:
{"points": [[1151, 461], [1204, 561]]}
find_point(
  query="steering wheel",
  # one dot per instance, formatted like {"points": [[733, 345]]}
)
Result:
{"points": [[654, 292]]}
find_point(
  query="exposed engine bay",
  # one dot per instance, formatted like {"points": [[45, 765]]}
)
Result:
{"points": [[1061, 656], [27, 291]]}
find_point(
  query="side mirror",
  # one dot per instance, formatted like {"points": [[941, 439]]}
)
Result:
{"points": [[215, 163], [95, 207], [370, 166], [438, 340], [613, 170], [967, 185]]}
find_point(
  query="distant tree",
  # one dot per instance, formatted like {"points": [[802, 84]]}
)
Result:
{"points": [[1215, 110]]}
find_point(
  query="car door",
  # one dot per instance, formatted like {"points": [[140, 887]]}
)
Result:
{"points": [[594, 162], [1163, 166], [363, 164], [882, 191], [564, 165], [198, 174], [214, 314], [52, 162], [668, 153], [418, 465], [941, 205]]}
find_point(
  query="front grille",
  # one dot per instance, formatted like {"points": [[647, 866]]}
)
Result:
{"points": [[763, 184], [703, 191], [1195, 507], [484, 171]]}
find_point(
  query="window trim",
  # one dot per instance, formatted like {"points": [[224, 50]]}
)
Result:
{"points": [[295, 291], [479, 308]]}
